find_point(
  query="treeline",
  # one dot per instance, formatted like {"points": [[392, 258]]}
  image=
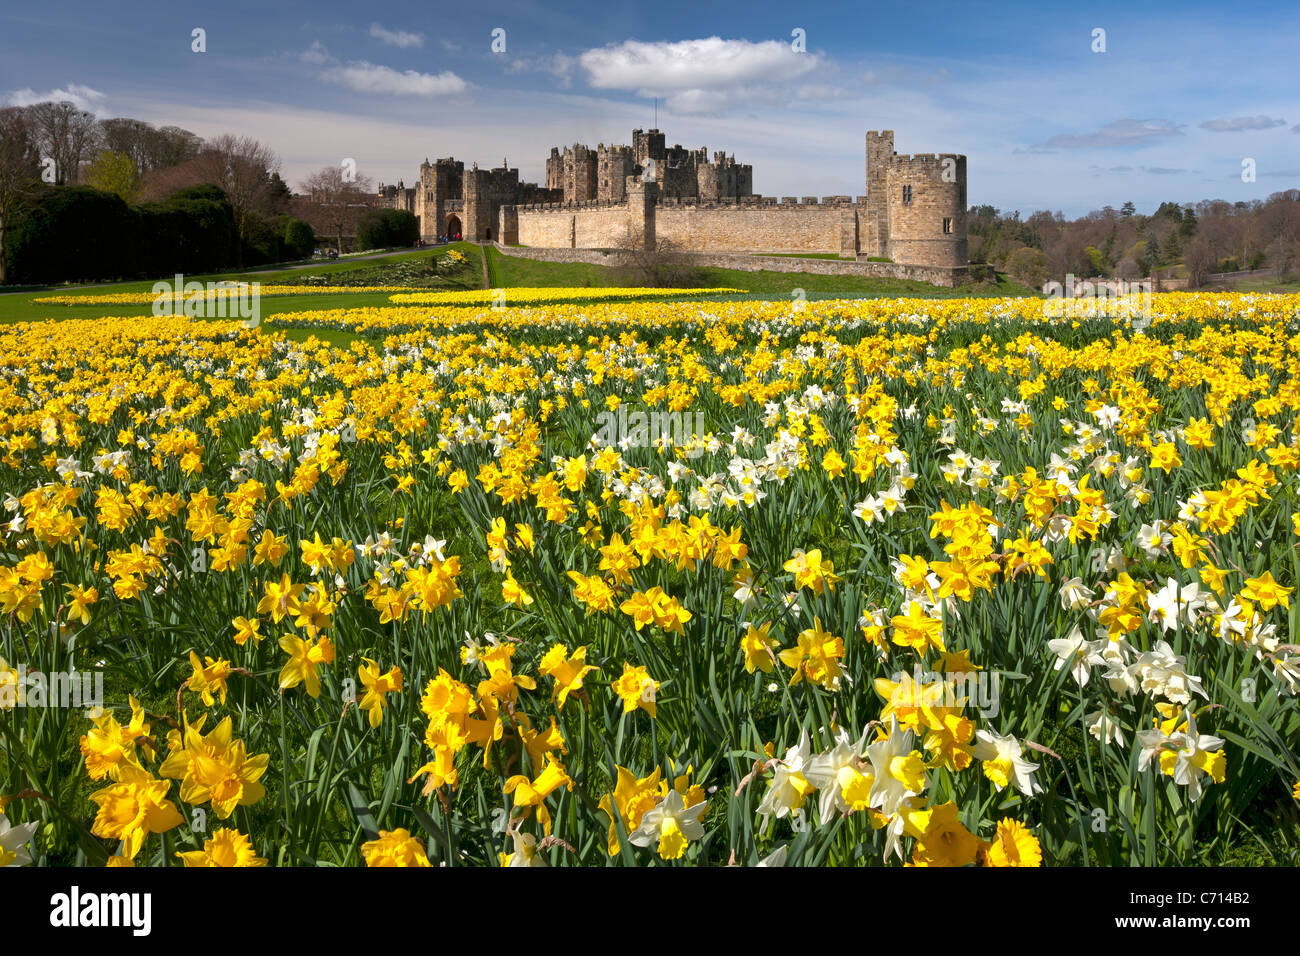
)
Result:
{"points": [[1191, 240], [89, 199]]}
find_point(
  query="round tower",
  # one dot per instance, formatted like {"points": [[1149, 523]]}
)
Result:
{"points": [[927, 209]]}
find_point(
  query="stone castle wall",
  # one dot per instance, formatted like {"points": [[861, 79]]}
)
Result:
{"points": [[914, 210], [936, 275], [927, 224], [592, 225]]}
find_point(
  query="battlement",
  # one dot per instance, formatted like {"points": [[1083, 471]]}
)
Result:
{"points": [[924, 159], [753, 202], [912, 211], [569, 206]]}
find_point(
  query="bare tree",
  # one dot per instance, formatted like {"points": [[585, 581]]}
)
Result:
{"points": [[242, 167], [332, 202], [129, 137], [666, 266], [1199, 261], [66, 134], [19, 170]]}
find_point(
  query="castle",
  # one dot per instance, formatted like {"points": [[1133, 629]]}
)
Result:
{"points": [[914, 210]]}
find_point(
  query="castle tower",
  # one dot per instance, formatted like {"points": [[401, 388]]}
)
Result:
{"points": [[441, 182], [927, 209], [875, 231], [641, 196], [613, 165]]}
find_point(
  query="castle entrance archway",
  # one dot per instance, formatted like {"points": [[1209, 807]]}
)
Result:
{"points": [[453, 227]]}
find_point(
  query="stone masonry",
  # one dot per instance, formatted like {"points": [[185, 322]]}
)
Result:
{"points": [[913, 212]]}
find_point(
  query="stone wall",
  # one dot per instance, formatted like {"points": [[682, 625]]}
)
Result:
{"points": [[753, 227], [566, 226], [927, 193], [936, 275]]}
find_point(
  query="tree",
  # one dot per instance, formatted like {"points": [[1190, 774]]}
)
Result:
{"points": [[299, 238], [386, 229], [1127, 210], [333, 201], [1096, 261], [149, 148], [66, 134], [19, 173], [667, 266], [115, 173], [1173, 247], [1028, 266], [1199, 261], [76, 232], [242, 167]]}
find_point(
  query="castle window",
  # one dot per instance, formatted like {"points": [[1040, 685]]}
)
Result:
{"points": [[947, 225], [907, 195]]}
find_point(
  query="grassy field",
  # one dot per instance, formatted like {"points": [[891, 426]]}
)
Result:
{"points": [[507, 271], [504, 272]]}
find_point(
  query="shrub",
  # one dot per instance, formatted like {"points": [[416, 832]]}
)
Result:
{"points": [[385, 228]]}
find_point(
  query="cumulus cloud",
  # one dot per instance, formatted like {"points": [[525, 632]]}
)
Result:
{"points": [[712, 63], [398, 38], [83, 97], [1121, 132], [1235, 124], [372, 78]]}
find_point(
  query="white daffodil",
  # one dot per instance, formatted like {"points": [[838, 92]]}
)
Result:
{"points": [[1104, 728], [1288, 672], [897, 769], [776, 857], [837, 775], [668, 822], [1162, 674], [1174, 603], [13, 842], [526, 851], [1004, 763], [1153, 539], [1075, 595], [1075, 652], [1198, 755], [789, 786]]}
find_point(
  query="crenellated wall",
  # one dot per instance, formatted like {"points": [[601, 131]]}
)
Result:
{"points": [[914, 210]]}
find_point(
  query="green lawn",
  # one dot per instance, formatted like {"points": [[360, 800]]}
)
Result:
{"points": [[504, 272]]}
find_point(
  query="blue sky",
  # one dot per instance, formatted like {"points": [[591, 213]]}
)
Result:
{"points": [[1180, 97]]}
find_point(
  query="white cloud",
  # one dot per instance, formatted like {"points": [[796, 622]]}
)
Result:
{"points": [[83, 97], [316, 54], [558, 65], [371, 78], [657, 69], [398, 38], [1121, 132], [1235, 124]]}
